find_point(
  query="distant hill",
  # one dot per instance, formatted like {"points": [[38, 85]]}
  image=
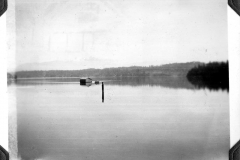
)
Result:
{"points": [[174, 69], [66, 65]]}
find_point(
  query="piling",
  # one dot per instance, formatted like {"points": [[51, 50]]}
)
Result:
{"points": [[102, 92]]}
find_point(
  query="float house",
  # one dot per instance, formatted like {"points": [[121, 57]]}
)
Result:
{"points": [[85, 80]]}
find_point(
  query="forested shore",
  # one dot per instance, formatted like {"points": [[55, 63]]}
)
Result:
{"points": [[213, 75], [174, 69]]}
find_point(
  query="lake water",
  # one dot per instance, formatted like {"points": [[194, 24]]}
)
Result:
{"points": [[163, 118]]}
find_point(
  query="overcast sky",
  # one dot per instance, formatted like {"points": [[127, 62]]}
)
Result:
{"points": [[111, 33]]}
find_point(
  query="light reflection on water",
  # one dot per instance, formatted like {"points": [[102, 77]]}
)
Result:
{"points": [[161, 119]]}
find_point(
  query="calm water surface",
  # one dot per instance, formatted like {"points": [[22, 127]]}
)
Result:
{"points": [[140, 119]]}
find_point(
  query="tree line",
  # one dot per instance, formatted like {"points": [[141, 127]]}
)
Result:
{"points": [[174, 69], [213, 75]]}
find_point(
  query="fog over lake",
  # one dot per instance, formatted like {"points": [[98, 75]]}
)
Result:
{"points": [[140, 119]]}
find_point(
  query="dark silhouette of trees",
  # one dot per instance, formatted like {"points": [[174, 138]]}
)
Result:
{"points": [[213, 75]]}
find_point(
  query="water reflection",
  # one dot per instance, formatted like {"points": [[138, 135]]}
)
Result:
{"points": [[209, 84], [163, 81], [142, 119], [86, 84]]}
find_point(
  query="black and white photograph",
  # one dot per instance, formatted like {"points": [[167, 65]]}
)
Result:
{"points": [[118, 80]]}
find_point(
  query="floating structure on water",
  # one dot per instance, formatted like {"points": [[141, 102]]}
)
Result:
{"points": [[96, 82], [84, 81], [88, 81]]}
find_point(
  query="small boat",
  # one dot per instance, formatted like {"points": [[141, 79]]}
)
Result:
{"points": [[97, 82]]}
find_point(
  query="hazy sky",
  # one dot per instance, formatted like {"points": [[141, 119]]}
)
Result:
{"points": [[110, 33]]}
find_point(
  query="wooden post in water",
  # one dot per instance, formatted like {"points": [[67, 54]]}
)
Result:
{"points": [[102, 92]]}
